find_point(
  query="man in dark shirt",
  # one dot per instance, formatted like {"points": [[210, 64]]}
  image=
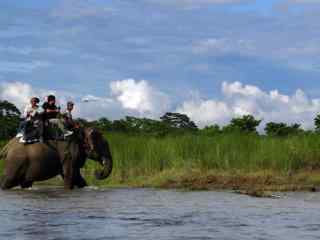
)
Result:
{"points": [[51, 111], [51, 114]]}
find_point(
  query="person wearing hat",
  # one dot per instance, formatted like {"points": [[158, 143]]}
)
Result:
{"points": [[31, 121], [69, 123]]}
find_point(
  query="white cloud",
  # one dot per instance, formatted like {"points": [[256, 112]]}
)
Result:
{"points": [[239, 99], [206, 112], [139, 96], [20, 93], [128, 97], [237, 88], [90, 98], [17, 92]]}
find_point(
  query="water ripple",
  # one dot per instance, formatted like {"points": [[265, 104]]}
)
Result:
{"points": [[52, 213]]}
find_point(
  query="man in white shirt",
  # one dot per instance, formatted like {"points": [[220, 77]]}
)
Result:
{"points": [[67, 115], [31, 120], [32, 109]]}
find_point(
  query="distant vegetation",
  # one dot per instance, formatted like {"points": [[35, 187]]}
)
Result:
{"points": [[9, 119]]}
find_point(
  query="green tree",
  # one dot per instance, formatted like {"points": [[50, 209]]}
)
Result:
{"points": [[8, 109], [317, 123], [179, 121], [84, 122], [282, 129], [212, 130], [104, 124], [9, 119], [244, 124]]}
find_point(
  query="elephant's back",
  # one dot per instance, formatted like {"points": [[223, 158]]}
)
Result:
{"points": [[39, 160], [39, 151], [44, 161]]}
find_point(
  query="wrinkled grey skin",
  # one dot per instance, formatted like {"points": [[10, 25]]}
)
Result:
{"points": [[25, 164]]}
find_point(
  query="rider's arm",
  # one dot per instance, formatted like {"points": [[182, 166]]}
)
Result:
{"points": [[52, 110], [26, 112], [48, 110]]}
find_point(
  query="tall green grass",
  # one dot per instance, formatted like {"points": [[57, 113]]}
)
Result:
{"points": [[136, 156]]}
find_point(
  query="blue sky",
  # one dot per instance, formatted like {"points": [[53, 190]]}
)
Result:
{"points": [[181, 48]]}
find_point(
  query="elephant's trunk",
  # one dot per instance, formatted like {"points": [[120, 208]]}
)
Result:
{"points": [[107, 169]]}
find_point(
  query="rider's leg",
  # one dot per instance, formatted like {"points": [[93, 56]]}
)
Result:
{"points": [[60, 124], [21, 128], [40, 129]]}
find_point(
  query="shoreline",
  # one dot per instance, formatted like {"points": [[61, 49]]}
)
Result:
{"points": [[258, 184]]}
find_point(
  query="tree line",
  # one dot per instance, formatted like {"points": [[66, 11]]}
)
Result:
{"points": [[169, 123], [177, 123]]}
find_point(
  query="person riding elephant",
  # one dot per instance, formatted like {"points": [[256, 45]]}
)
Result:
{"points": [[67, 116], [31, 127], [25, 164], [51, 116]]}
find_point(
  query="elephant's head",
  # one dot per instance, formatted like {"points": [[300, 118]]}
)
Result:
{"points": [[97, 149]]}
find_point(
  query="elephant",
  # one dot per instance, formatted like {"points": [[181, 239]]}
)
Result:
{"points": [[25, 164]]}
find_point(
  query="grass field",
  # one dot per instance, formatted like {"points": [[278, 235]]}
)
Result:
{"points": [[224, 161]]}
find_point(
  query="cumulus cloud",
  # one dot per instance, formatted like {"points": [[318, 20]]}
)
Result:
{"points": [[239, 99], [206, 112], [20, 93], [139, 96], [16, 92], [89, 106], [128, 97]]}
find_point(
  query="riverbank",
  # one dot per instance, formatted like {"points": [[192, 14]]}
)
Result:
{"points": [[262, 181], [259, 184], [226, 161]]}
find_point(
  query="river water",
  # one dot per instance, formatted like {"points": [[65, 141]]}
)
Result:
{"points": [[52, 213]]}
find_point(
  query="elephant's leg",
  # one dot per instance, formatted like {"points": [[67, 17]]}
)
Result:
{"points": [[26, 184], [69, 154], [68, 175], [79, 181], [8, 183]]}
